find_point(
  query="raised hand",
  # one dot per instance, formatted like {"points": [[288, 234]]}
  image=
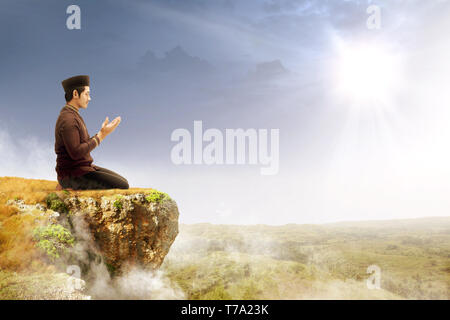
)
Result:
{"points": [[108, 127]]}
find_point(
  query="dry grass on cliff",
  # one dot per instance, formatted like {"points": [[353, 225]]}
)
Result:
{"points": [[34, 190], [17, 250], [29, 190]]}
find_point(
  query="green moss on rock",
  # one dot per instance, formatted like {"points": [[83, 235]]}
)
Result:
{"points": [[157, 196]]}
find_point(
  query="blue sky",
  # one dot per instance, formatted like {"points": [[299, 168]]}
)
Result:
{"points": [[160, 65]]}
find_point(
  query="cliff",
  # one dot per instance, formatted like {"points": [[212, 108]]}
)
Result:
{"points": [[120, 228]]}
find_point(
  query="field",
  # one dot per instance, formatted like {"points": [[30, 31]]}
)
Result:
{"points": [[313, 261]]}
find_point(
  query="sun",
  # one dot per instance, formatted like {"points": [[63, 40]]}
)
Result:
{"points": [[366, 72]]}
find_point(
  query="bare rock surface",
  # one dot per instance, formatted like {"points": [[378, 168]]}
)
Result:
{"points": [[128, 230]]}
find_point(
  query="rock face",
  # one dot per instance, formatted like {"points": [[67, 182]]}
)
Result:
{"points": [[127, 230]]}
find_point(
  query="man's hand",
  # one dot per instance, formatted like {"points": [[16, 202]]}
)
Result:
{"points": [[108, 127]]}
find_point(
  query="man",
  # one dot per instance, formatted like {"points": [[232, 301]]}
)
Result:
{"points": [[73, 145]]}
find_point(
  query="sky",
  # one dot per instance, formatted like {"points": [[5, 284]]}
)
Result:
{"points": [[361, 111]]}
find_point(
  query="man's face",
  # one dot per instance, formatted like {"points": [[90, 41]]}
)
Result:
{"points": [[83, 98]]}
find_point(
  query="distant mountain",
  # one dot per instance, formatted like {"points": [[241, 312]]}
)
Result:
{"points": [[267, 71], [176, 60]]}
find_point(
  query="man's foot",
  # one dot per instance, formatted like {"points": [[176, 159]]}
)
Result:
{"points": [[60, 188]]}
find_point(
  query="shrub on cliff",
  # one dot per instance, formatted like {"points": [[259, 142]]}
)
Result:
{"points": [[55, 203], [53, 240]]}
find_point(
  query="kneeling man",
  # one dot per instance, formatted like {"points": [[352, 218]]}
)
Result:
{"points": [[73, 145]]}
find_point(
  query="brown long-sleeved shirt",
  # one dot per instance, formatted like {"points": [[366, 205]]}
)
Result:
{"points": [[73, 145]]}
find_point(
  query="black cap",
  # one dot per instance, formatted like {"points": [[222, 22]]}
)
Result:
{"points": [[75, 82]]}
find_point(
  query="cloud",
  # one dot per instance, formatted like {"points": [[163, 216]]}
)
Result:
{"points": [[339, 165], [27, 157]]}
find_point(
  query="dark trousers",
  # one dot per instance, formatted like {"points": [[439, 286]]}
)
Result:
{"points": [[100, 179]]}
